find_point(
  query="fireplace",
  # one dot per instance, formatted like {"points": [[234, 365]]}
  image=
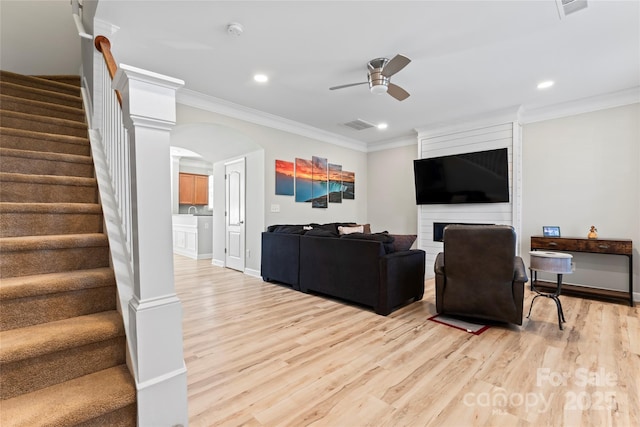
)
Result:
{"points": [[438, 228]]}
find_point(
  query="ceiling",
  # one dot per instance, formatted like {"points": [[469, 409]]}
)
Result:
{"points": [[468, 57]]}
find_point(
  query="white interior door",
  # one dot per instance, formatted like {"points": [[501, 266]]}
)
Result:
{"points": [[234, 215]]}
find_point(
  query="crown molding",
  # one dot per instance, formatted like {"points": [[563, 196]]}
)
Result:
{"points": [[393, 143], [506, 115], [583, 105], [216, 105]]}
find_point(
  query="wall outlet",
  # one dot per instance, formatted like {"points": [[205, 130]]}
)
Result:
{"points": [[248, 253], [275, 208]]}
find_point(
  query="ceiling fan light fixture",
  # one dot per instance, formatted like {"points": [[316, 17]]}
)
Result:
{"points": [[379, 89]]}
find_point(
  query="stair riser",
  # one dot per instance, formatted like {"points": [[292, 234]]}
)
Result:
{"points": [[40, 126], [70, 80], [21, 312], [51, 97], [27, 192], [32, 374], [25, 106], [123, 417], [15, 224], [41, 144], [13, 164], [51, 85], [23, 263]]}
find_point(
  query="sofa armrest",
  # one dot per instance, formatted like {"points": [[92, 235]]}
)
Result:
{"points": [[519, 271], [280, 258], [438, 266], [401, 279]]}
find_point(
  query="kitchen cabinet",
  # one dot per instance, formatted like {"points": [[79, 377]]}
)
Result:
{"points": [[193, 236], [193, 189]]}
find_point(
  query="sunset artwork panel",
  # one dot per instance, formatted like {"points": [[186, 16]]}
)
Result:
{"points": [[304, 180], [319, 187], [335, 183], [349, 185], [284, 178]]}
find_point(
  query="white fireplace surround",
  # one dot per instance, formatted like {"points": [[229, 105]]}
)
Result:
{"points": [[500, 131]]}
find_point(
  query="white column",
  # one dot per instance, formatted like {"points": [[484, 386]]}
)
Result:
{"points": [[148, 104]]}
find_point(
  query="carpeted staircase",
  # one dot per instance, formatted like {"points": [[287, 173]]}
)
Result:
{"points": [[62, 342]]}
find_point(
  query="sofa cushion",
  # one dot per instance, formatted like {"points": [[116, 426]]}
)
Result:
{"points": [[403, 242], [319, 232], [342, 230], [288, 229], [385, 238]]}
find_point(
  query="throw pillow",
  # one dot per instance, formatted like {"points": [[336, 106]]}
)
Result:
{"points": [[367, 228], [348, 230], [403, 242], [385, 238]]}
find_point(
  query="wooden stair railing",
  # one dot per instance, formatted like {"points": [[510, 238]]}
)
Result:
{"points": [[104, 46]]}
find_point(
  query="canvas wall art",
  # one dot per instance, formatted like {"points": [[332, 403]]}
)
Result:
{"points": [[284, 178], [319, 188], [335, 183], [304, 180], [315, 181], [349, 185]]}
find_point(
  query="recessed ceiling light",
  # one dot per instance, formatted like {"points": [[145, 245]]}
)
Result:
{"points": [[261, 78], [545, 84], [382, 126]]}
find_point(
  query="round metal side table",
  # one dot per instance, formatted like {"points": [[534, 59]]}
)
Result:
{"points": [[550, 262]]}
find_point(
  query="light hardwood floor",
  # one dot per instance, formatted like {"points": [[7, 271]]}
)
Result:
{"points": [[260, 354]]}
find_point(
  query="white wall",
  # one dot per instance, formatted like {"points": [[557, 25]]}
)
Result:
{"points": [[391, 197], [580, 171], [266, 145]]}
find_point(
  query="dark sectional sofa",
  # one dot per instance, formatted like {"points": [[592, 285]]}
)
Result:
{"points": [[366, 269]]}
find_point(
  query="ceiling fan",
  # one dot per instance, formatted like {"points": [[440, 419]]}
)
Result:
{"points": [[378, 77]]}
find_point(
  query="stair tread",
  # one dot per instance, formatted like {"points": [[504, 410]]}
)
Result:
{"points": [[56, 241], [45, 155], [43, 119], [50, 283], [50, 208], [27, 82], [47, 179], [44, 338], [67, 403], [69, 139], [5, 76], [43, 104]]}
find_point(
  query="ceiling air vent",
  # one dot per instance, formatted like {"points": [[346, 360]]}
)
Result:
{"points": [[359, 124], [567, 7]]}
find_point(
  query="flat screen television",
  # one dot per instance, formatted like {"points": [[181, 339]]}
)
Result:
{"points": [[479, 177]]}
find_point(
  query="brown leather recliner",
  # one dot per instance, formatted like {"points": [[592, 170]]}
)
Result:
{"points": [[479, 275]]}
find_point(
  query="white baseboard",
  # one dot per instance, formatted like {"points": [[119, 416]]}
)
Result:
{"points": [[217, 262], [253, 273]]}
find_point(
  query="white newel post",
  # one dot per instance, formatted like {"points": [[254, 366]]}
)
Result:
{"points": [[149, 113]]}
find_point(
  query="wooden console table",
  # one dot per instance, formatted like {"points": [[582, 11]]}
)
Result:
{"points": [[592, 246]]}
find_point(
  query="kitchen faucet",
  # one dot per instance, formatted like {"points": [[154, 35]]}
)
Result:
{"points": [[194, 208]]}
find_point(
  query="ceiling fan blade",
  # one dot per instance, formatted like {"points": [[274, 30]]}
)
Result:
{"points": [[396, 64], [397, 92], [349, 85]]}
